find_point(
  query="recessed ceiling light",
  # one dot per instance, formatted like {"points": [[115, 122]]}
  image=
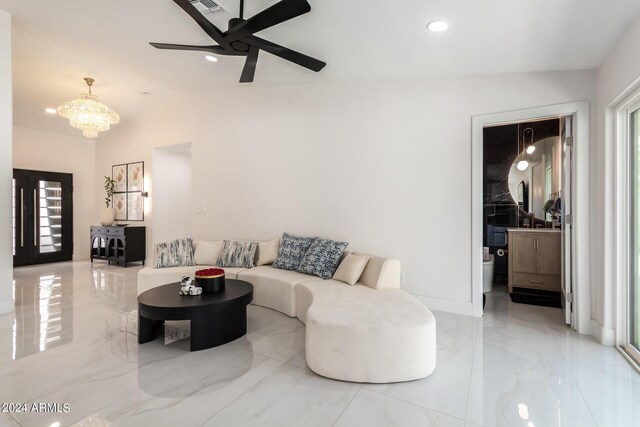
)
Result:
{"points": [[437, 26], [51, 110], [211, 58]]}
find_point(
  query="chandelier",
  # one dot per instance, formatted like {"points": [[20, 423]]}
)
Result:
{"points": [[88, 114]]}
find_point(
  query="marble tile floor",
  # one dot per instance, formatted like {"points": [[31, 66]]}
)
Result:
{"points": [[73, 340]]}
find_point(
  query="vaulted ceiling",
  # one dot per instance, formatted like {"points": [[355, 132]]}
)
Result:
{"points": [[57, 43]]}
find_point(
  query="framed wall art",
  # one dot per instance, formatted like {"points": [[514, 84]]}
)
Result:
{"points": [[135, 207], [135, 176], [119, 175], [119, 206], [128, 194]]}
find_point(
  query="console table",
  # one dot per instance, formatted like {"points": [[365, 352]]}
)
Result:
{"points": [[118, 245]]}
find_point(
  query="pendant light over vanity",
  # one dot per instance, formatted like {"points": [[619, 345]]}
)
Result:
{"points": [[523, 164]]}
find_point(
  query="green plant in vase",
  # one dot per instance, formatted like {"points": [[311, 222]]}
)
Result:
{"points": [[109, 185], [107, 217]]}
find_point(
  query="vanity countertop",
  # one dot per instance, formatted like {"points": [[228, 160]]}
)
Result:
{"points": [[534, 230]]}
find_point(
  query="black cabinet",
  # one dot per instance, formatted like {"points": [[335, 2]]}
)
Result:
{"points": [[119, 245]]}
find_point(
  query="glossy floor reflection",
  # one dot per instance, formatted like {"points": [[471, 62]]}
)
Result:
{"points": [[73, 340]]}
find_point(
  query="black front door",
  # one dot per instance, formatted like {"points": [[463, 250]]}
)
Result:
{"points": [[43, 217]]}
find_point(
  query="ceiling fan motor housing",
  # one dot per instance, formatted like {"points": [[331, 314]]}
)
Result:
{"points": [[234, 21], [240, 46]]}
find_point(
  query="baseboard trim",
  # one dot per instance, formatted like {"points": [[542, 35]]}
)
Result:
{"points": [[605, 336], [448, 305], [6, 307]]}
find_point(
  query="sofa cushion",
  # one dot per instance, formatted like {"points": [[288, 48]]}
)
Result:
{"points": [[178, 252], [292, 250], [151, 277], [275, 288], [267, 251], [237, 254], [207, 252], [322, 258], [351, 268], [381, 272]]}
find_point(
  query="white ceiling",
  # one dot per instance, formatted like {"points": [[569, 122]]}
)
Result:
{"points": [[57, 43]]}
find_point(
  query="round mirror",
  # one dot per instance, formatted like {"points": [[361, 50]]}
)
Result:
{"points": [[534, 176]]}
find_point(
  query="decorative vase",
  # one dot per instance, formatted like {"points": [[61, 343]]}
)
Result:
{"points": [[210, 280], [107, 218]]}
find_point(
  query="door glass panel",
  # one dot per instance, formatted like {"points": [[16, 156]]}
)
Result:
{"points": [[634, 288], [50, 236], [14, 217]]}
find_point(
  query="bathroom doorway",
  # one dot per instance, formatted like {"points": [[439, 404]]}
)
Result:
{"points": [[526, 191], [525, 172]]}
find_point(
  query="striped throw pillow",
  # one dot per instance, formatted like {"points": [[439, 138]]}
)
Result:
{"points": [[176, 253], [237, 254]]}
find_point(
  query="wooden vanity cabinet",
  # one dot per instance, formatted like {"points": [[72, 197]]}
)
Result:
{"points": [[534, 260]]}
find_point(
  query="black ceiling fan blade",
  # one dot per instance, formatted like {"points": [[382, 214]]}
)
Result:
{"points": [[204, 23], [249, 69], [273, 15], [286, 53], [218, 50]]}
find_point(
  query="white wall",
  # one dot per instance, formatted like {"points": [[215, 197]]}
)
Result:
{"points": [[384, 165], [617, 73], [52, 152], [6, 173], [172, 195]]}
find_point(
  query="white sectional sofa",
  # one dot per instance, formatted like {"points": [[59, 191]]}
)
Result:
{"points": [[371, 332]]}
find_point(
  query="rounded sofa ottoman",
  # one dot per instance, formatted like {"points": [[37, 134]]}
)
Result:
{"points": [[359, 334]]}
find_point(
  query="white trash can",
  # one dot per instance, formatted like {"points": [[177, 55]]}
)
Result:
{"points": [[487, 274]]}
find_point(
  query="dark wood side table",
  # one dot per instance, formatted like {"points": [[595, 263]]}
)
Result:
{"points": [[216, 317], [118, 245]]}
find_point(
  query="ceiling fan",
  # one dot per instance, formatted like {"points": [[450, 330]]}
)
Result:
{"points": [[239, 39]]}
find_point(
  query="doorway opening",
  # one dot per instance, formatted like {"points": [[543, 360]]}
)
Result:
{"points": [[633, 316], [623, 227], [172, 181], [525, 210], [42, 217]]}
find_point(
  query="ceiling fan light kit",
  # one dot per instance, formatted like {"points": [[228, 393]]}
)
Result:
{"points": [[239, 39]]}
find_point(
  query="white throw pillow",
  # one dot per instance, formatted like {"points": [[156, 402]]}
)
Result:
{"points": [[351, 268], [268, 251], [207, 252]]}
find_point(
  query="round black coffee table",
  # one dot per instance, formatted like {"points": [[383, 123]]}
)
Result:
{"points": [[216, 318]]}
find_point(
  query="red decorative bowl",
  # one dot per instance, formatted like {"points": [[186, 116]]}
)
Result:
{"points": [[210, 280]]}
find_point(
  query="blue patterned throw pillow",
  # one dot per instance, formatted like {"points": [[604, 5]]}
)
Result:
{"points": [[322, 258], [176, 253], [237, 254], [292, 250]]}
